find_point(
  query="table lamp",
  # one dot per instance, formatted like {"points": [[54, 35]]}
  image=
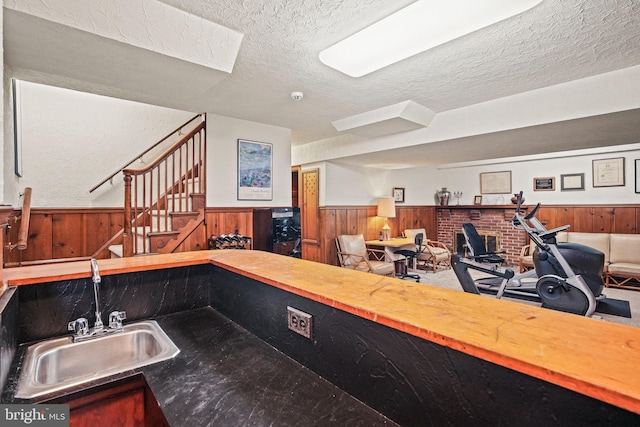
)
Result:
{"points": [[386, 209]]}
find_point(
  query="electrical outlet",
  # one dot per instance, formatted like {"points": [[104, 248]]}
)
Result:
{"points": [[300, 322]]}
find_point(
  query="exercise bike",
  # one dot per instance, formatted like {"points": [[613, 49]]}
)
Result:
{"points": [[569, 275]]}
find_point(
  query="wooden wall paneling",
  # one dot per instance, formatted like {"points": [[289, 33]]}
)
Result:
{"points": [[317, 252], [547, 216], [363, 214], [332, 227], [431, 222], [582, 219], [624, 220], [565, 216], [213, 223], [40, 242], [116, 222], [96, 229], [232, 222], [353, 226], [602, 219], [373, 226], [197, 241], [66, 234], [225, 221], [406, 218]]}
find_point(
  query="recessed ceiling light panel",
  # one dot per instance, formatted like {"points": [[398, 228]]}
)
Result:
{"points": [[418, 27]]}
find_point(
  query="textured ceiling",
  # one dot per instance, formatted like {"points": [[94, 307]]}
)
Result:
{"points": [[557, 41]]}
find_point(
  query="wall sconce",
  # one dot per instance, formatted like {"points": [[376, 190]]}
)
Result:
{"points": [[386, 209]]}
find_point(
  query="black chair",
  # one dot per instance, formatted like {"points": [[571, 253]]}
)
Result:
{"points": [[411, 255], [477, 248]]}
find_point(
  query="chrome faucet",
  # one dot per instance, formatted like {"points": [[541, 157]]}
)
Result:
{"points": [[95, 273], [80, 326]]}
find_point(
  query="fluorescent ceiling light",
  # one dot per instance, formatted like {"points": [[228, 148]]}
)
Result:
{"points": [[418, 27]]}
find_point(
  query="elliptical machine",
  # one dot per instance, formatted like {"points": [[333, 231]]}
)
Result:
{"points": [[569, 274]]}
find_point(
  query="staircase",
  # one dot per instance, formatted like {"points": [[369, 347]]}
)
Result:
{"points": [[164, 202]]}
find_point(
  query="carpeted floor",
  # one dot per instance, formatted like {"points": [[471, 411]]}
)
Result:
{"points": [[447, 279]]}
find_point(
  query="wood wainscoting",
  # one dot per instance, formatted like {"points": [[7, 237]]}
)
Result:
{"points": [[63, 233], [337, 220], [57, 234], [72, 233]]}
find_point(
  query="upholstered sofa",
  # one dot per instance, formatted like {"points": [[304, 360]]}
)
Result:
{"points": [[621, 255]]}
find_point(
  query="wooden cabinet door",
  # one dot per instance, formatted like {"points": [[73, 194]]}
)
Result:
{"points": [[122, 410], [310, 207]]}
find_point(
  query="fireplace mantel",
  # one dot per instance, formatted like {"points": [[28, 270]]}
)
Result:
{"points": [[440, 207]]}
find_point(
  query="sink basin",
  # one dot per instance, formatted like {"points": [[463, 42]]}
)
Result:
{"points": [[56, 364]]}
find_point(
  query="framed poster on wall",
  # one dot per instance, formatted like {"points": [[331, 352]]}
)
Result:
{"points": [[495, 182], [608, 172], [398, 194], [572, 182], [255, 165], [547, 183]]}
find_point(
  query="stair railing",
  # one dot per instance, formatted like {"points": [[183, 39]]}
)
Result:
{"points": [[166, 185], [139, 156]]}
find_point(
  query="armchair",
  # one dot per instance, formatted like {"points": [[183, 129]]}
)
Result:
{"points": [[353, 254], [434, 255], [525, 260]]}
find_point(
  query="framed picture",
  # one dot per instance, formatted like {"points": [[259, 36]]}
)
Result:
{"points": [[608, 172], [255, 164], [495, 182], [398, 194], [477, 200], [547, 183], [17, 127], [637, 162], [572, 182]]}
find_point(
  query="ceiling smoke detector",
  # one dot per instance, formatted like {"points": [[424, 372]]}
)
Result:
{"points": [[296, 96]]}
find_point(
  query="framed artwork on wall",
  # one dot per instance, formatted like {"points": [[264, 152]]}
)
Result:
{"points": [[17, 127], [547, 183], [572, 182], [495, 182], [255, 165], [398, 194], [608, 172], [637, 175]]}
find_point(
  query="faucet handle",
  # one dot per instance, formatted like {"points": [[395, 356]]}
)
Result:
{"points": [[116, 318], [80, 326]]}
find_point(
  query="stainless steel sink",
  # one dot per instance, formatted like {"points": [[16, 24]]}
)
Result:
{"points": [[56, 364]]}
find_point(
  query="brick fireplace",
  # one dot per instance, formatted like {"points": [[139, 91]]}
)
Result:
{"points": [[494, 222]]}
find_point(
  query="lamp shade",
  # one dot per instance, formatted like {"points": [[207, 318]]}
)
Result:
{"points": [[386, 207]]}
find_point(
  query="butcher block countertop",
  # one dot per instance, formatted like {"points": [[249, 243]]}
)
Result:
{"points": [[589, 356]]}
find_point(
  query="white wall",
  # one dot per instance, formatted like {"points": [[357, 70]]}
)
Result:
{"points": [[72, 140], [354, 186], [421, 184], [222, 160]]}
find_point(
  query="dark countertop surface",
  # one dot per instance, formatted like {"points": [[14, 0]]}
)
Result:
{"points": [[225, 375]]}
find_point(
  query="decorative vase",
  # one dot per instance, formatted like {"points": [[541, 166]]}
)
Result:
{"points": [[514, 199], [443, 196]]}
